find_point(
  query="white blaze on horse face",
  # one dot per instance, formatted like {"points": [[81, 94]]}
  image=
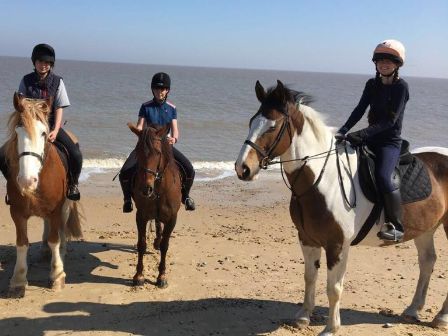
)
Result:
{"points": [[258, 127], [29, 165]]}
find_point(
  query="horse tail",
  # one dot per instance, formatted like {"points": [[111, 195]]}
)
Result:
{"points": [[75, 219]]}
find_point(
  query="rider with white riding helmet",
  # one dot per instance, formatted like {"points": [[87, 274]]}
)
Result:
{"points": [[386, 95]]}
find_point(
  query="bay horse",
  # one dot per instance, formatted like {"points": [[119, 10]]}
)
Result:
{"points": [[37, 186], [156, 193], [286, 127]]}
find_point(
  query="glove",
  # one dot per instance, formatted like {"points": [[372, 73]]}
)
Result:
{"points": [[340, 135], [355, 138]]}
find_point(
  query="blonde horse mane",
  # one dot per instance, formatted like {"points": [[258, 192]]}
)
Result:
{"points": [[33, 110]]}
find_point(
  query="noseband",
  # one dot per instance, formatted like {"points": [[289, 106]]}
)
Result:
{"points": [[264, 163], [40, 157]]}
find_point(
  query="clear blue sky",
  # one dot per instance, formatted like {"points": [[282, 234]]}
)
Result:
{"points": [[314, 35]]}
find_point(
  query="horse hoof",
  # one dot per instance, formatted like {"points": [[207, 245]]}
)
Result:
{"points": [[57, 285], [162, 284], [156, 245], [16, 292], [439, 323], [410, 318], [138, 283]]}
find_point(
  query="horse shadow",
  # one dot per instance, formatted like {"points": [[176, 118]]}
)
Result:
{"points": [[223, 316], [78, 253]]}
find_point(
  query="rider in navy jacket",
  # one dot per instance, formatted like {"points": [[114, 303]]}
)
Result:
{"points": [[158, 111], [387, 95]]}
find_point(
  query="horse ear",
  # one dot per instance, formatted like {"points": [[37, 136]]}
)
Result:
{"points": [[259, 91], [134, 129], [280, 92], [18, 102], [163, 131]]}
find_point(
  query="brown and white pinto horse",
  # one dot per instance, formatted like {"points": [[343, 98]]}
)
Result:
{"points": [[285, 126], [37, 186], [157, 194]]}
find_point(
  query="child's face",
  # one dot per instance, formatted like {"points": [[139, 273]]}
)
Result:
{"points": [[42, 67], [385, 66], [160, 93]]}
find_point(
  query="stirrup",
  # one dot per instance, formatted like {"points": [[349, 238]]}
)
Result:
{"points": [[73, 193], [392, 234]]}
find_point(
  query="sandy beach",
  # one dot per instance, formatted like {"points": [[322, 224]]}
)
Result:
{"points": [[234, 268]]}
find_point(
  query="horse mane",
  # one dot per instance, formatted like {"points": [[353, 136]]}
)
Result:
{"points": [[148, 138], [34, 110], [302, 103]]}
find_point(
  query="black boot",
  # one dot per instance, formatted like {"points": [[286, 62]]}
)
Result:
{"points": [[73, 191], [127, 191], [186, 199], [392, 208]]}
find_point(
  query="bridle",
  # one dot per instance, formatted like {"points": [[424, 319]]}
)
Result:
{"points": [[40, 157], [158, 175], [266, 160]]}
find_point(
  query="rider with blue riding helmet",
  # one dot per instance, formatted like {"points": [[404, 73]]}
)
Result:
{"points": [[42, 83], [159, 111], [387, 95]]}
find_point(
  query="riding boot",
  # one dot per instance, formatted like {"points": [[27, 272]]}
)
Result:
{"points": [[127, 191], [393, 210], [73, 191], [186, 199]]}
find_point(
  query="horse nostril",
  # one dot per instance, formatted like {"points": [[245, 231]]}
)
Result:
{"points": [[246, 172]]}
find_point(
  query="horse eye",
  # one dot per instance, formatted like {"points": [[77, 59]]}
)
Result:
{"points": [[44, 134]]}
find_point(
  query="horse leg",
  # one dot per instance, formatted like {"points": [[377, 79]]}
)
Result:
{"points": [[168, 228], [158, 238], [57, 274], [45, 251], [426, 259], [441, 319], [335, 285], [65, 215], [18, 281], [139, 279], [312, 263]]}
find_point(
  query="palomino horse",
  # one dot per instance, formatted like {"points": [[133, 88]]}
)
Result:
{"points": [[37, 186], [285, 126], [157, 194]]}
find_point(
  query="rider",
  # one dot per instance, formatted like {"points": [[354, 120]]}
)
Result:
{"points": [[158, 111], [41, 84], [387, 95]]}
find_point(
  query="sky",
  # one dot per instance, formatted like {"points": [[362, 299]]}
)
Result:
{"points": [[313, 35]]}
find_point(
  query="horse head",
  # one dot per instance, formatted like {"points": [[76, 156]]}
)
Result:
{"points": [[28, 129], [152, 151], [272, 129]]}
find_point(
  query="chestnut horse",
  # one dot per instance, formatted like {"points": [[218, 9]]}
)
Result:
{"points": [[157, 194], [37, 186], [285, 126]]}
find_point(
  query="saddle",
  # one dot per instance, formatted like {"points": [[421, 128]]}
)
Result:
{"points": [[63, 155], [410, 176]]}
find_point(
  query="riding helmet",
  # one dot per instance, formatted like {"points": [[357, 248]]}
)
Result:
{"points": [[389, 49], [161, 80], [43, 52]]}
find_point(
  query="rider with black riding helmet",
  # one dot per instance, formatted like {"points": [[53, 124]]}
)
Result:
{"points": [[159, 111], [42, 83], [387, 95]]}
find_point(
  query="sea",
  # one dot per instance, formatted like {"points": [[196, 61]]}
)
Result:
{"points": [[214, 106]]}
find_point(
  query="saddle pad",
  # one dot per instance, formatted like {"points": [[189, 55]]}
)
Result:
{"points": [[63, 154], [415, 181]]}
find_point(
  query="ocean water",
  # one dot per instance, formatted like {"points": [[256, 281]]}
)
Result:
{"points": [[214, 107]]}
